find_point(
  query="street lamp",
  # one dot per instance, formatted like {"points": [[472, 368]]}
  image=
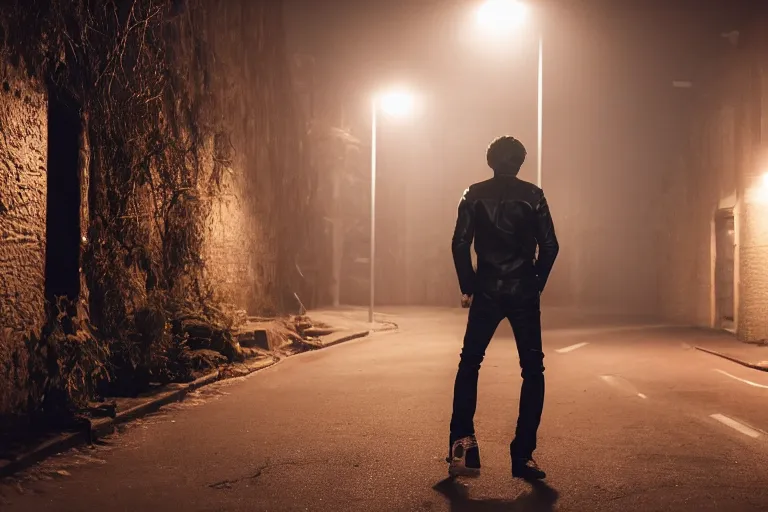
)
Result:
{"points": [[396, 103], [501, 15], [498, 17]]}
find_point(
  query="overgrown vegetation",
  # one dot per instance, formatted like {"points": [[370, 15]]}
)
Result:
{"points": [[161, 148]]}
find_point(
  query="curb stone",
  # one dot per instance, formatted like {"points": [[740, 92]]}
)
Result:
{"points": [[345, 337], [349, 335], [104, 426], [733, 359], [44, 450]]}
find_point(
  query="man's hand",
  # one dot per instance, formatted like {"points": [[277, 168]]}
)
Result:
{"points": [[466, 301]]}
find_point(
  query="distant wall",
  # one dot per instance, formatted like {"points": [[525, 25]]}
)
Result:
{"points": [[264, 216], [241, 260]]}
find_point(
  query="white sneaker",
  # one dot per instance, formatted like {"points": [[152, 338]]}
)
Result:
{"points": [[465, 458]]}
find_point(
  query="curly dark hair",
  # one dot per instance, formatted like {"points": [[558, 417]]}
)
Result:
{"points": [[506, 154]]}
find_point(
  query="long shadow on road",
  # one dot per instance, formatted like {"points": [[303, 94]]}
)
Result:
{"points": [[542, 498]]}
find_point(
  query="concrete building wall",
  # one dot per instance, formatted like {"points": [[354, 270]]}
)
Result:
{"points": [[702, 182], [722, 167]]}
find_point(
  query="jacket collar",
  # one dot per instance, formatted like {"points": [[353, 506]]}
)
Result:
{"points": [[507, 172]]}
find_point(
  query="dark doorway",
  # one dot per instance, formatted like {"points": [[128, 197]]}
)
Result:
{"points": [[62, 259], [725, 249]]}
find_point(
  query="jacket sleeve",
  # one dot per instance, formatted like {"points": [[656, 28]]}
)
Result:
{"points": [[462, 243], [546, 240]]}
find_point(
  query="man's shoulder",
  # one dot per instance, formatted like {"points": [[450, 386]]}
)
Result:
{"points": [[478, 188], [528, 187]]}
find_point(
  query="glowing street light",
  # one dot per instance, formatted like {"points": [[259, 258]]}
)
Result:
{"points": [[398, 103], [501, 15], [498, 17]]}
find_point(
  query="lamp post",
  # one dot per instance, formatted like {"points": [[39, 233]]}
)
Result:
{"points": [[498, 17], [396, 103]]}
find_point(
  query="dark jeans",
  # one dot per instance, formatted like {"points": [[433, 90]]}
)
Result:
{"points": [[487, 311]]}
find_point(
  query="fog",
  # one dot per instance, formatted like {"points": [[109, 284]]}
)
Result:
{"points": [[613, 127]]}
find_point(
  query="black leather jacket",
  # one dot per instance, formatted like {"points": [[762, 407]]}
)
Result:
{"points": [[507, 218]]}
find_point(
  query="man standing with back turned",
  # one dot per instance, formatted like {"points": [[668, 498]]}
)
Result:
{"points": [[508, 219]]}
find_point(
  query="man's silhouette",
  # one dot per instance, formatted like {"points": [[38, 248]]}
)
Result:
{"points": [[507, 219]]}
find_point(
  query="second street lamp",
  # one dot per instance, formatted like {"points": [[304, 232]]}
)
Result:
{"points": [[397, 103]]}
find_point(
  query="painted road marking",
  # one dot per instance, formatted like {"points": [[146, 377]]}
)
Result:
{"points": [[571, 348], [725, 420], [745, 381], [622, 383], [605, 330]]}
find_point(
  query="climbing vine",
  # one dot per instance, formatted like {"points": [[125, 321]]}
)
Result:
{"points": [[146, 77]]}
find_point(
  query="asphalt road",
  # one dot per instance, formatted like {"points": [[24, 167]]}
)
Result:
{"points": [[634, 420]]}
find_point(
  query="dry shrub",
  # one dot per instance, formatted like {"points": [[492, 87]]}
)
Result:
{"points": [[67, 363], [14, 375]]}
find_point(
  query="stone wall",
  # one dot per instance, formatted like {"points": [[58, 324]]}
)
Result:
{"points": [[753, 271], [23, 133], [233, 103], [195, 193], [22, 225]]}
